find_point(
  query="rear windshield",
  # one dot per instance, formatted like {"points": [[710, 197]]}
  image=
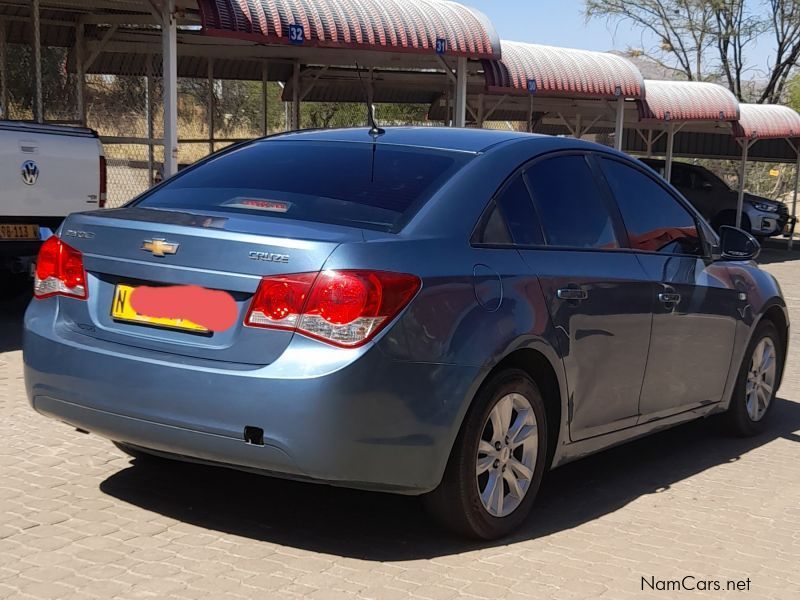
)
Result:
{"points": [[366, 185]]}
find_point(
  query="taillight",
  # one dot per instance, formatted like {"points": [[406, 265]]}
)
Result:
{"points": [[59, 271], [343, 308], [279, 301], [103, 182]]}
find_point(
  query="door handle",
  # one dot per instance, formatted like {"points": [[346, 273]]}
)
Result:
{"points": [[572, 294], [669, 297]]}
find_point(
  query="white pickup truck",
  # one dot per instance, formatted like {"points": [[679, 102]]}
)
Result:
{"points": [[46, 173]]}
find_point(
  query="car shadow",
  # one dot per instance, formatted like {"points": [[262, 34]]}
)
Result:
{"points": [[773, 255], [381, 527], [11, 315]]}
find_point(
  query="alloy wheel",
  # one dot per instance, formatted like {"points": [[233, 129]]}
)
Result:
{"points": [[761, 379], [507, 454]]}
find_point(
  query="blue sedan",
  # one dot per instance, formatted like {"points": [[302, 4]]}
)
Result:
{"points": [[424, 311]]}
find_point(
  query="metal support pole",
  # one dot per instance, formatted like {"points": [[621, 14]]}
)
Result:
{"points": [[447, 121], [80, 74], [670, 150], [296, 96], [742, 174], [649, 143], [4, 113], [481, 111], [578, 126], [794, 198], [370, 96], [149, 116], [211, 106], [530, 115], [169, 37], [265, 98], [460, 117], [38, 109], [619, 128]]}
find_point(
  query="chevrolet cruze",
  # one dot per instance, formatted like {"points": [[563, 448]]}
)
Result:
{"points": [[437, 312]]}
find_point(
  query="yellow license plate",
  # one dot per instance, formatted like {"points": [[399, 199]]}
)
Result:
{"points": [[121, 310], [14, 231]]}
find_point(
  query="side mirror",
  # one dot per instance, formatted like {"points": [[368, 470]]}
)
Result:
{"points": [[736, 244]]}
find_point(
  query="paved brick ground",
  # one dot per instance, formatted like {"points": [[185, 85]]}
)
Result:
{"points": [[80, 520]]}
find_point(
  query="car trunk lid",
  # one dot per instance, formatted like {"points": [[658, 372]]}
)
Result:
{"points": [[228, 252]]}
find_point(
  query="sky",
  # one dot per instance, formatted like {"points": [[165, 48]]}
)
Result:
{"points": [[553, 22], [562, 23]]}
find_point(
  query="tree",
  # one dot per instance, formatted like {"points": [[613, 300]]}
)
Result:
{"points": [[57, 85], [709, 39]]}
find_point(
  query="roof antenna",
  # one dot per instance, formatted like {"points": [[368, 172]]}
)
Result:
{"points": [[374, 130]]}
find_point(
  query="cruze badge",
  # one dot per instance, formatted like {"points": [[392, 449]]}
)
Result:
{"points": [[160, 247], [269, 257], [84, 235]]}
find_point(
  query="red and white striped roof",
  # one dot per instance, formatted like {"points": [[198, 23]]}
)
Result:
{"points": [[390, 25], [767, 121], [562, 72], [682, 101]]}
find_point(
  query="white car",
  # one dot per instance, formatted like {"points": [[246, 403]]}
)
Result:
{"points": [[48, 172]]}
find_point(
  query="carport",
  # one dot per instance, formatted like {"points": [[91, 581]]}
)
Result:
{"points": [[435, 52], [554, 90], [762, 132], [267, 40], [671, 106]]}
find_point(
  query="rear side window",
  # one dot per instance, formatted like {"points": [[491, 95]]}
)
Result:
{"points": [[365, 185], [570, 205], [512, 217], [495, 231], [655, 220]]}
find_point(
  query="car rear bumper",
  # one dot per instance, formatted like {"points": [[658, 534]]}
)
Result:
{"points": [[362, 421]]}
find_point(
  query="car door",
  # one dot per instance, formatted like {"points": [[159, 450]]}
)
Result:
{"points": [[598, 296], [694, 318]]}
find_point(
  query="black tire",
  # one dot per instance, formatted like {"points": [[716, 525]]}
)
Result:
{"points": [[456, 503], [738, 420], [139, 455]]}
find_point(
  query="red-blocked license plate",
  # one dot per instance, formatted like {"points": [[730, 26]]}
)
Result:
{"points": [[122, 310]]}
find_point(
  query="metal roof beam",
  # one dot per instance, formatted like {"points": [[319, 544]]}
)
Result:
{"points": [[98, 48], [307, 89]]}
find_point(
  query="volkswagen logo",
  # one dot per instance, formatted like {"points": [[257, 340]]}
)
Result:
{"points": [[30, 172]]}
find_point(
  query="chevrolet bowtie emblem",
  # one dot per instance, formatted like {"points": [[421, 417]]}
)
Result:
{"points": [[159, 247]]}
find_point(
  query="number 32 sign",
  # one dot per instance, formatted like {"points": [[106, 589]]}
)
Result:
{"points": [[297, 34]]}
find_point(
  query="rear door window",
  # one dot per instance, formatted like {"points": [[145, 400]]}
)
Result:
{"points": [[570, 204], [365, 185]]}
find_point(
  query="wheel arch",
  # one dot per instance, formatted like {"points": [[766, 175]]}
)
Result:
{"points": [[776, 314], [540, 368]]}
